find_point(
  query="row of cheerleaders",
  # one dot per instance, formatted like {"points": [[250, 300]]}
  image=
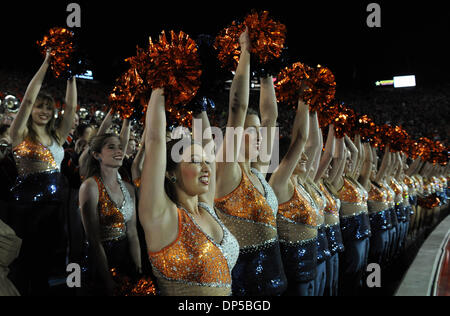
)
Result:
{"points": [[365, 207]]}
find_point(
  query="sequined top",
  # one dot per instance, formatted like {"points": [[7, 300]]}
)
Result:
{"points": [[406, 193], [398, 189], [378, 199], [194, 264], [319, 199], [444, 182], [411, 185], [353, 198], [299, 210], [113, 219], [32, 158], [333, 203], [418, 181], [390, 194], [249, 215]]}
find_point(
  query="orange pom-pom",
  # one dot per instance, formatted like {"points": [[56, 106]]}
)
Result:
{"points": [[227, 45], [322, 88], [267, 38], [290, 82], [60, 41], [175, 66], [125, 93]]}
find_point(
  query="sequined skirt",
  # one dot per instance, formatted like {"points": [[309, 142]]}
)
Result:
{"points": [[323, 251], [402, 213], [259, 272], [355, 227], [393, 215], [300, 260], [380, 221], [39, 187], [334, 236], [119, 260]]}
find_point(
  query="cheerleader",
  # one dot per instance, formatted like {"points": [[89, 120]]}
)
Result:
{"points": [[108, 213], [313, 150], [355, 226], [39, 192], [331, 215], [245, 202], [192, 253], [296, 218], [379, 213]]}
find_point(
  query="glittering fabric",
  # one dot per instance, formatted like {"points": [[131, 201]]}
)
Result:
{"points": [[418, 182], [405, 194], [34, 158], [246, 205], [393, 216], [319, 200], [323, 251], [113, 218], [377, 194], [39, 177], [298, 210], [398, 189], [402, 213], [194, 264], [251, 218], [411, 185], [333, 203], [350, 193], [355, 227], [380, 221], [300, 261], [334, 236], [390, 194], [355, 224]]}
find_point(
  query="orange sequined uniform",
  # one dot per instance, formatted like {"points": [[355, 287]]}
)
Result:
{"points": [[246, 208], [354, 217], [38, 167], [194, 264], [33, 158], [352, 197], [333, 204], [251, 218], [299, 210], [398, 189], [112, 219]]}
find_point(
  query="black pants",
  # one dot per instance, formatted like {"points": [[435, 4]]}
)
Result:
{"points": [[40, 228]]}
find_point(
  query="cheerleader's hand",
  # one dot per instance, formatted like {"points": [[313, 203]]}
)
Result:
{"points": [[244, 41]]}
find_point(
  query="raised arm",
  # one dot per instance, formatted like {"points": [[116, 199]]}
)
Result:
{"points": [[335, 178], [327, 156], [106, 123], [154, 202], [19, 125], [353, 154], [69, 111], [279, 180], [269, 113], [313, 146], [361, 157], [384, 168], [366, 168], [125, 134], [228, 172]]}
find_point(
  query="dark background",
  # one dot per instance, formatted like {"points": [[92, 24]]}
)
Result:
{"points": [[413, 38]]}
